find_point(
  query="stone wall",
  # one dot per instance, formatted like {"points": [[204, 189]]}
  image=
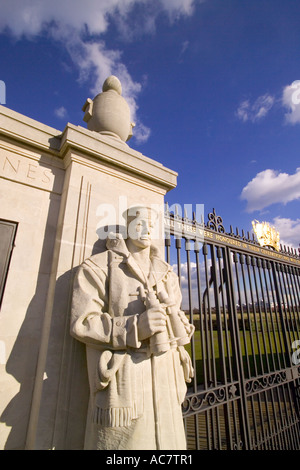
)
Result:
{"points": [[64, 190]]}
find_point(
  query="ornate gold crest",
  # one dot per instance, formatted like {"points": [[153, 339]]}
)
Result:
{"points": [[266, 235]]}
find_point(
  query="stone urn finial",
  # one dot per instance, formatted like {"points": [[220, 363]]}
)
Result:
{"points": [[108, 113]]}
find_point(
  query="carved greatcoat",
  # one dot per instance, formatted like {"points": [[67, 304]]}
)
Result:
{"points": [[135, 397]]}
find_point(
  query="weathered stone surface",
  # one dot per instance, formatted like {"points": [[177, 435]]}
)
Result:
{"points": [[126, 309]]}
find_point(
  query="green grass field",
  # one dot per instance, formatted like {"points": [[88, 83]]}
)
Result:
{"points": [[261, 352]]}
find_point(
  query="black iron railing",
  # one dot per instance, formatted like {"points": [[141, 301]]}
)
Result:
{"points": [[244, 301]]}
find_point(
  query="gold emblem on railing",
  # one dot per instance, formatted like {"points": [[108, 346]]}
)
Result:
{"points": [[266, 235]]}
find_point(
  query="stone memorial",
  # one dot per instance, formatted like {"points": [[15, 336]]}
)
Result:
{"points": [[118, 381], [126, 309]]}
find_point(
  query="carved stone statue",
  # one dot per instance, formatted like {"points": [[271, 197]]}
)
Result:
{"points": [[126, 309]]}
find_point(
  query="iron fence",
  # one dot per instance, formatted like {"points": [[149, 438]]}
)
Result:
{"points": [[244, 301]]}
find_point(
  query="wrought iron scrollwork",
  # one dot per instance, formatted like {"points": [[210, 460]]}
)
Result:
{"points": [[266, 381], [208, 398], [192, 403], [215, 222]]}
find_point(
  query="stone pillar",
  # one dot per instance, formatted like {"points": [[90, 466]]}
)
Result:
{"points": [[31, 181], [103, 176]]}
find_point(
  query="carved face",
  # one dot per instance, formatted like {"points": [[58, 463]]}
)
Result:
{"points": [[139, 231]]}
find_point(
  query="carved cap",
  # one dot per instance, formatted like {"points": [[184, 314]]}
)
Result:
{"points": [[112, 83]]}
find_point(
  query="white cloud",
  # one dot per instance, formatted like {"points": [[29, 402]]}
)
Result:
{"points": [[184, 272], [256, 111], [176, 8], [289, 231], [81, 27], [270, 187], [60, 112], [184, 284], [243, 110], [291, 101], [30, 17], [141, 132]]}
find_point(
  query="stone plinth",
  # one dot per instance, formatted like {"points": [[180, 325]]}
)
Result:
{"points": [[59, 188]]}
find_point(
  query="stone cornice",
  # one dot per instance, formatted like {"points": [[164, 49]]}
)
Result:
{"points": [[76, 141], [29, 132], [116, 154]]}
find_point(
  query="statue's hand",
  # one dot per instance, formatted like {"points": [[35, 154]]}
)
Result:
{"points": [[150, 322], [186, 364]]}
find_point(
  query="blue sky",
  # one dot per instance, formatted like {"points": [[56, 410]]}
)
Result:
{"points": [[213, 88]]}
